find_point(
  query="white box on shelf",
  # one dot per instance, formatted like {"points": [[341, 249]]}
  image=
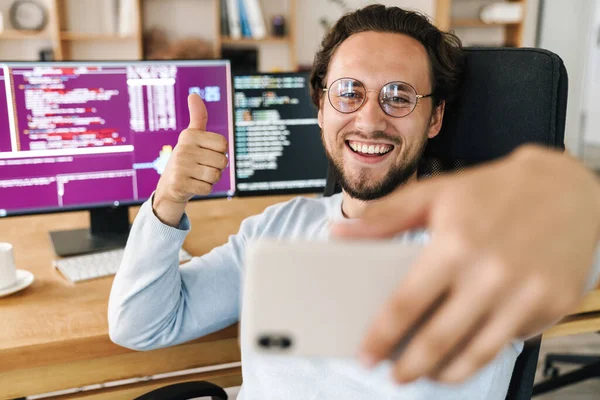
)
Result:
{"points": [[502, 13]]}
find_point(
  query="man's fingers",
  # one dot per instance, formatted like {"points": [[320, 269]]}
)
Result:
{"points": [[210, 140], [426, 283], [408, 209], [468, 304], [198, 113], [493, 338], [200, 188], [211, 158], [206, 174]]}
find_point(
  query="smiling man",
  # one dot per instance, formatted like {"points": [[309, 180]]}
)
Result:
{"points": [[380, 81], [379, 108]]}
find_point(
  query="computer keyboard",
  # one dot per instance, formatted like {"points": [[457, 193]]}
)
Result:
{"points": [[96, 265]]}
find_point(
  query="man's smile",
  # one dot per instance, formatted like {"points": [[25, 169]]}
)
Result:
{"points": [[369, 152], [369, 148]]}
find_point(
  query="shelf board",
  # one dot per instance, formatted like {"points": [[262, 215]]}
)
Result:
{"points": [[73, 36], [476, 23], [15, 34], [247, 41]]}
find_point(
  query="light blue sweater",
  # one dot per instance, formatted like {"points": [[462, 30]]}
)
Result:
{"points": [[155, 303]]}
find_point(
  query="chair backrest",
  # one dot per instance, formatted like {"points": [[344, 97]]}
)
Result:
{"points": [[508, 97]]}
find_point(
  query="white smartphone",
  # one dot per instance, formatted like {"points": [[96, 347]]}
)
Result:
{"points": [[317, 298]]}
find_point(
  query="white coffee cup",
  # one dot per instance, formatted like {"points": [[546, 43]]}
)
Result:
{"points": [[8, 270]]}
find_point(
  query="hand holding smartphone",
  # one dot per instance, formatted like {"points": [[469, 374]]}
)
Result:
{"points": [[317, 298]]}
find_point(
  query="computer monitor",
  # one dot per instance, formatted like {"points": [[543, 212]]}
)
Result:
{"points": [[97, 135], [277, 138]]}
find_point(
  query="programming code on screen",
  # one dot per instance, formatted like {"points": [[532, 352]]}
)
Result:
{"points": [[74, 136], [277, 137]]}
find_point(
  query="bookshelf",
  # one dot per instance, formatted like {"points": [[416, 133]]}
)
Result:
{"points": [[15, 34], [462, 17], [75, 29], [64, 36], [476, 23], [182, 19], [75, 36], [270, 8], [72, 29], [226, 40]]}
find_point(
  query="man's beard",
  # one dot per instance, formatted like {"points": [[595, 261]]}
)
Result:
{"points": [[361, 189]]}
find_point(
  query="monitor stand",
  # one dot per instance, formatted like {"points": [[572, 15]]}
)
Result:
{"points": [[109, 229]]}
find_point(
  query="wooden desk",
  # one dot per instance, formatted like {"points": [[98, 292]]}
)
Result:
{"points": [[585, 320], [54, 334]]}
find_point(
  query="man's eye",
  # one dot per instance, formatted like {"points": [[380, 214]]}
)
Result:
{"points": [[397, 101], [350, 95]]}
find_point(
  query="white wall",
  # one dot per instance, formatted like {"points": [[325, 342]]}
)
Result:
{"points": [[591, 105], [531, 23], [566, 31]]}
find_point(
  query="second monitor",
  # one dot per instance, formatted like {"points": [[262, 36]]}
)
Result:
{"points": [[277, 138]]}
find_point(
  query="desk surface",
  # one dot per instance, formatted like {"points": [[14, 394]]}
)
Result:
{"points": [[53, 335], [56, 323], [53, 309]]}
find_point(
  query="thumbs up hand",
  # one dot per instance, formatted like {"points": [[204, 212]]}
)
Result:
{"points": [[195, 165]]}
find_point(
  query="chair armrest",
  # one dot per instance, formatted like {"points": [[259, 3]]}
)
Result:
{"points": [[186, 391], [521, 383]]}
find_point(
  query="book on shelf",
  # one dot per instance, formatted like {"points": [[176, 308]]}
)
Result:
{"points": [[242, 18], [233, 14], [224, 19], [127, 17], [255, 18], [502, 13], [111, 16], [118, 17]]}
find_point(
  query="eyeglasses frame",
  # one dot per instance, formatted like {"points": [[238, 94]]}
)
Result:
{"points": [[418, 96]]}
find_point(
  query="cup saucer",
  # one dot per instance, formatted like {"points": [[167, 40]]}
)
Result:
{"points": [[24, 279]]}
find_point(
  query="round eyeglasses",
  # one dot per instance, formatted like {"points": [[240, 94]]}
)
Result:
{"points": [[396, 99]]}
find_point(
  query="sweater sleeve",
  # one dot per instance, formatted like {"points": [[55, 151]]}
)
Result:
{"points": [[155, 302]]}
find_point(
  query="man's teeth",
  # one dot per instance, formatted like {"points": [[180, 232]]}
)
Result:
{"points": [[370, 149]]}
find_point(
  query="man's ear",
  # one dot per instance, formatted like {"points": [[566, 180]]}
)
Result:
{"points": [[320, 116], [435, 124]]}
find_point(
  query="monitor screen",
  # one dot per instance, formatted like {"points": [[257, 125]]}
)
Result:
{"points": [[278, 145], [85, 135]]}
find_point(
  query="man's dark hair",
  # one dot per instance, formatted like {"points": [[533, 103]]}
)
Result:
{"points": [[444, 48]]}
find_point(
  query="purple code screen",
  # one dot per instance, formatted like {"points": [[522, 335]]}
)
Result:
{"points": [[73, 136]]}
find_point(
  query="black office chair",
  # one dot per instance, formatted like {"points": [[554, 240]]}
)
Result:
{"points": [[186, 391], [590, 368], [509, 97]]}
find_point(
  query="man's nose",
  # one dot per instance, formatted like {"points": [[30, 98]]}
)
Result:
{"points": [[370, 117]]}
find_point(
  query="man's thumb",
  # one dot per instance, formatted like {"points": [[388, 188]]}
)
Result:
{"points": [[198, 113]]}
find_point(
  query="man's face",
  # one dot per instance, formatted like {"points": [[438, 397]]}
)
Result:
{"points": [[375, 59]]}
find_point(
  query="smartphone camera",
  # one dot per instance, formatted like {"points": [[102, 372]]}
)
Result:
{"points": [[274, 342]]}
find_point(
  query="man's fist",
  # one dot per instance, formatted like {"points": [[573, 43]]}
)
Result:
{"points": [[194, 167]]}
